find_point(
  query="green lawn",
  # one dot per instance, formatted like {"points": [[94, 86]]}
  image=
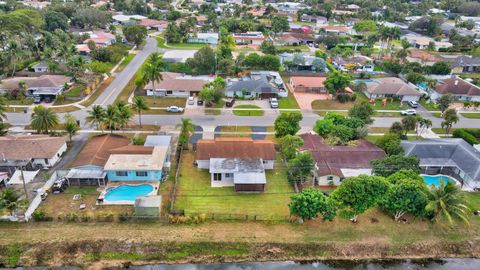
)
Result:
{"points": [[288, 103], [24, 101], [303, 48], [437, 114], [395, 105], [196, 196], [75, 91], [125, 62], [471, 115], [430, 106], [441, 130], [256, 112], [215, 109], [243, 131], [179, 46]]}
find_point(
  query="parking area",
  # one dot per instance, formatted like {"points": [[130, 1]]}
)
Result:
{"points": [[304, 100]]}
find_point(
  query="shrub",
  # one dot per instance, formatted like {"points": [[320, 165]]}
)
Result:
{"points": [[467, 136], [70, 217], [105, 217], [123, 217], [138, 141], [41, 216]]}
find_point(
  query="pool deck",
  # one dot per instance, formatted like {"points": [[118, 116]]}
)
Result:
{"points": [[114, 184]]}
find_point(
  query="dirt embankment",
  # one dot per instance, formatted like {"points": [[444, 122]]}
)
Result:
{"points": [[97, 254]]}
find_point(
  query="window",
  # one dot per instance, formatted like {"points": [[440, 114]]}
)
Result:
{"points": [[217, 177], [264, 161], [169, 92], [228, 175], [143, 173], [46, 161], [121, 173], [329, 177]]}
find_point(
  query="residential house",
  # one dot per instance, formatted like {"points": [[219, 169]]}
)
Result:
{"points": [[422, 42], [464, 64], [308, 63], [308, 84], [335, 163], [297, 28], [127, 19], [289, 7], [40, 67], [30, 152], [422, 57], [257, 84], [3, 179], [87, 168], [295, 39], [237, 162], [461, 89], [249, 38], [452, 157], [43, 86], [318, 20], [178, 56], [355, 63], [205, 38], [101, 38], [391, 87], [337, 29], [126, 166], [177, 85], [153, 24], [160, 140]]}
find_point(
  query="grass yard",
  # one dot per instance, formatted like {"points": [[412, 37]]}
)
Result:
{"points": [[429, 106], [378, 129], [288, 103], [58, 205], [65, 109], [163, 102], [75, 91], [179, 46], [24, 101], [125, 62], [437, 114], [257, 112], [215, 109], [331, 105], [471, 115], [196, 196], [243, 131], [441, 131], [303, 48], [387, 114]]}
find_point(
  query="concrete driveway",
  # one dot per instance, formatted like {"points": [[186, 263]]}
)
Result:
{"points": [[304, 100]]}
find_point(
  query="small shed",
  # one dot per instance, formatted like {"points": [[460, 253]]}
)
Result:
{"points": [[148, 206]]}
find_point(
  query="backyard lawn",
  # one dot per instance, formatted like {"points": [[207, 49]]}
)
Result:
{"points": [[179, 46], [256, 112], [196, 196], [288, 103]]}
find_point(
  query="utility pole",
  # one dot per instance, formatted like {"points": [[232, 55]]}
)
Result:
{"points": [[24, 185]]}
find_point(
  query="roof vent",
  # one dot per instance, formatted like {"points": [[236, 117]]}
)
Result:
{"points": [[456, 82]]}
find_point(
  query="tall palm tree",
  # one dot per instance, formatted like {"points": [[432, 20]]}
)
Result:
{"points": [[424, 123], [3, 109], [14, 53], [139, 105], [96, 116], [111, 117], [124, 113], [152, 71], [43, 119], [187, 128], [447, 202]]}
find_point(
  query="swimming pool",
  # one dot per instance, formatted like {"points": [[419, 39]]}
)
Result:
{"points": [[435, 179], [127, 192]]}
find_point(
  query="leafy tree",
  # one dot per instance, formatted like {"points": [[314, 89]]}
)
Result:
{"points": [[357, 194], [55, 20], [444, 101], [289, 146], [267, 47], [187, 128], [440, 68], [10, 200], [449, 118], [135, 33], [336, 82], [21, 21], [203, 61], [90, 18], [96, 116], [415, 78], [470, 8], [172, 33], [280, 24], [262, 62], [405, 174], [311, 202], [300, 168], [323, 127], [390, 143], [152, 71], [392, 67], [406, 196], [363, 111], [287, 123], [397, 129], [43, 119], [140, 105], [365, 26], [98, 67], [391, 164], [340, 135], [70, 125], [409, 122], [423, 123], [447, 202], [319, 65]]}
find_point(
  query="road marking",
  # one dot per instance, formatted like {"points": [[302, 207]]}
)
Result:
{"points": [[109, 95]]}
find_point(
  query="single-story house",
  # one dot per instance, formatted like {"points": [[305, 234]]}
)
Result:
{"points": [[178, 56], [237, 162], [160, 140], [319, 20], [257, 84], [295, 39], [297, 28], [464, 64], [44, 85], [87, 168], [101, 38], [308, 84], [30, 151], [153, 24], [310, 63], [462, 90], [356, 63], [249, 38], [335, 163], [337, 29], [447, 156], [127, 19], [422, 57], [422, 42], [206, 38], [391, 87], [177, 85], [137, 167], [40, 67]]}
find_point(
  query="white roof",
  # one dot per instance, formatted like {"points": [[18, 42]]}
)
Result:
{"points": [[148, 201], [249, 178], [122, 162], [158, 140], [355, 172], [16, 178], [178, 55], [85, 173]]}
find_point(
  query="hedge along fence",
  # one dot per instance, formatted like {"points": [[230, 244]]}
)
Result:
{"points": [[470, 135], [238, 217], [40, 216]]}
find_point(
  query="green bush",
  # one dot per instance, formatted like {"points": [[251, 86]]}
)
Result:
{"points": [[123, 217], [41, 216], [467, 136]]}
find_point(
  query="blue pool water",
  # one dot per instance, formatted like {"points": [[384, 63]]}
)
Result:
{"points": [[127, 192], [435, 179]]}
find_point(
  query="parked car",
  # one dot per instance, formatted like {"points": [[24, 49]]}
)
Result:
{"points": [[409, 112], [37, 99], [273, 103], [191, 100], [199, 102], [47, 99], [412, 104], [174, 109], [229, 103]]}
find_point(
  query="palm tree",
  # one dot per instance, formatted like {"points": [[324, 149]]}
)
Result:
{"points": [[3, 109], [43, 119], [14, 53], [187, 128], [447, 202], [70, 125], [124, 113], [96, 116], [111, 117], [152, 71], [10, 200], [139, 105], [423, 123]]}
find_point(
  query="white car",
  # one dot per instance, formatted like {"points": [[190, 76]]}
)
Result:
{"points": [[409, 112], [274, 103], [175, 109], [191, 100]]}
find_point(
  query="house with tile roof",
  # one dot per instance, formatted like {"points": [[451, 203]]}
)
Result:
{"points": [[422, 57], [249, 38], [43, 85], [461, 89], [177, 85], [308, 84], [335, 163], [391, 87], [237, 162], [31, 152]]}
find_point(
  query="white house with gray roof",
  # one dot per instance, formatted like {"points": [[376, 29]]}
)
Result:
{"points": [[257, 84]]}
